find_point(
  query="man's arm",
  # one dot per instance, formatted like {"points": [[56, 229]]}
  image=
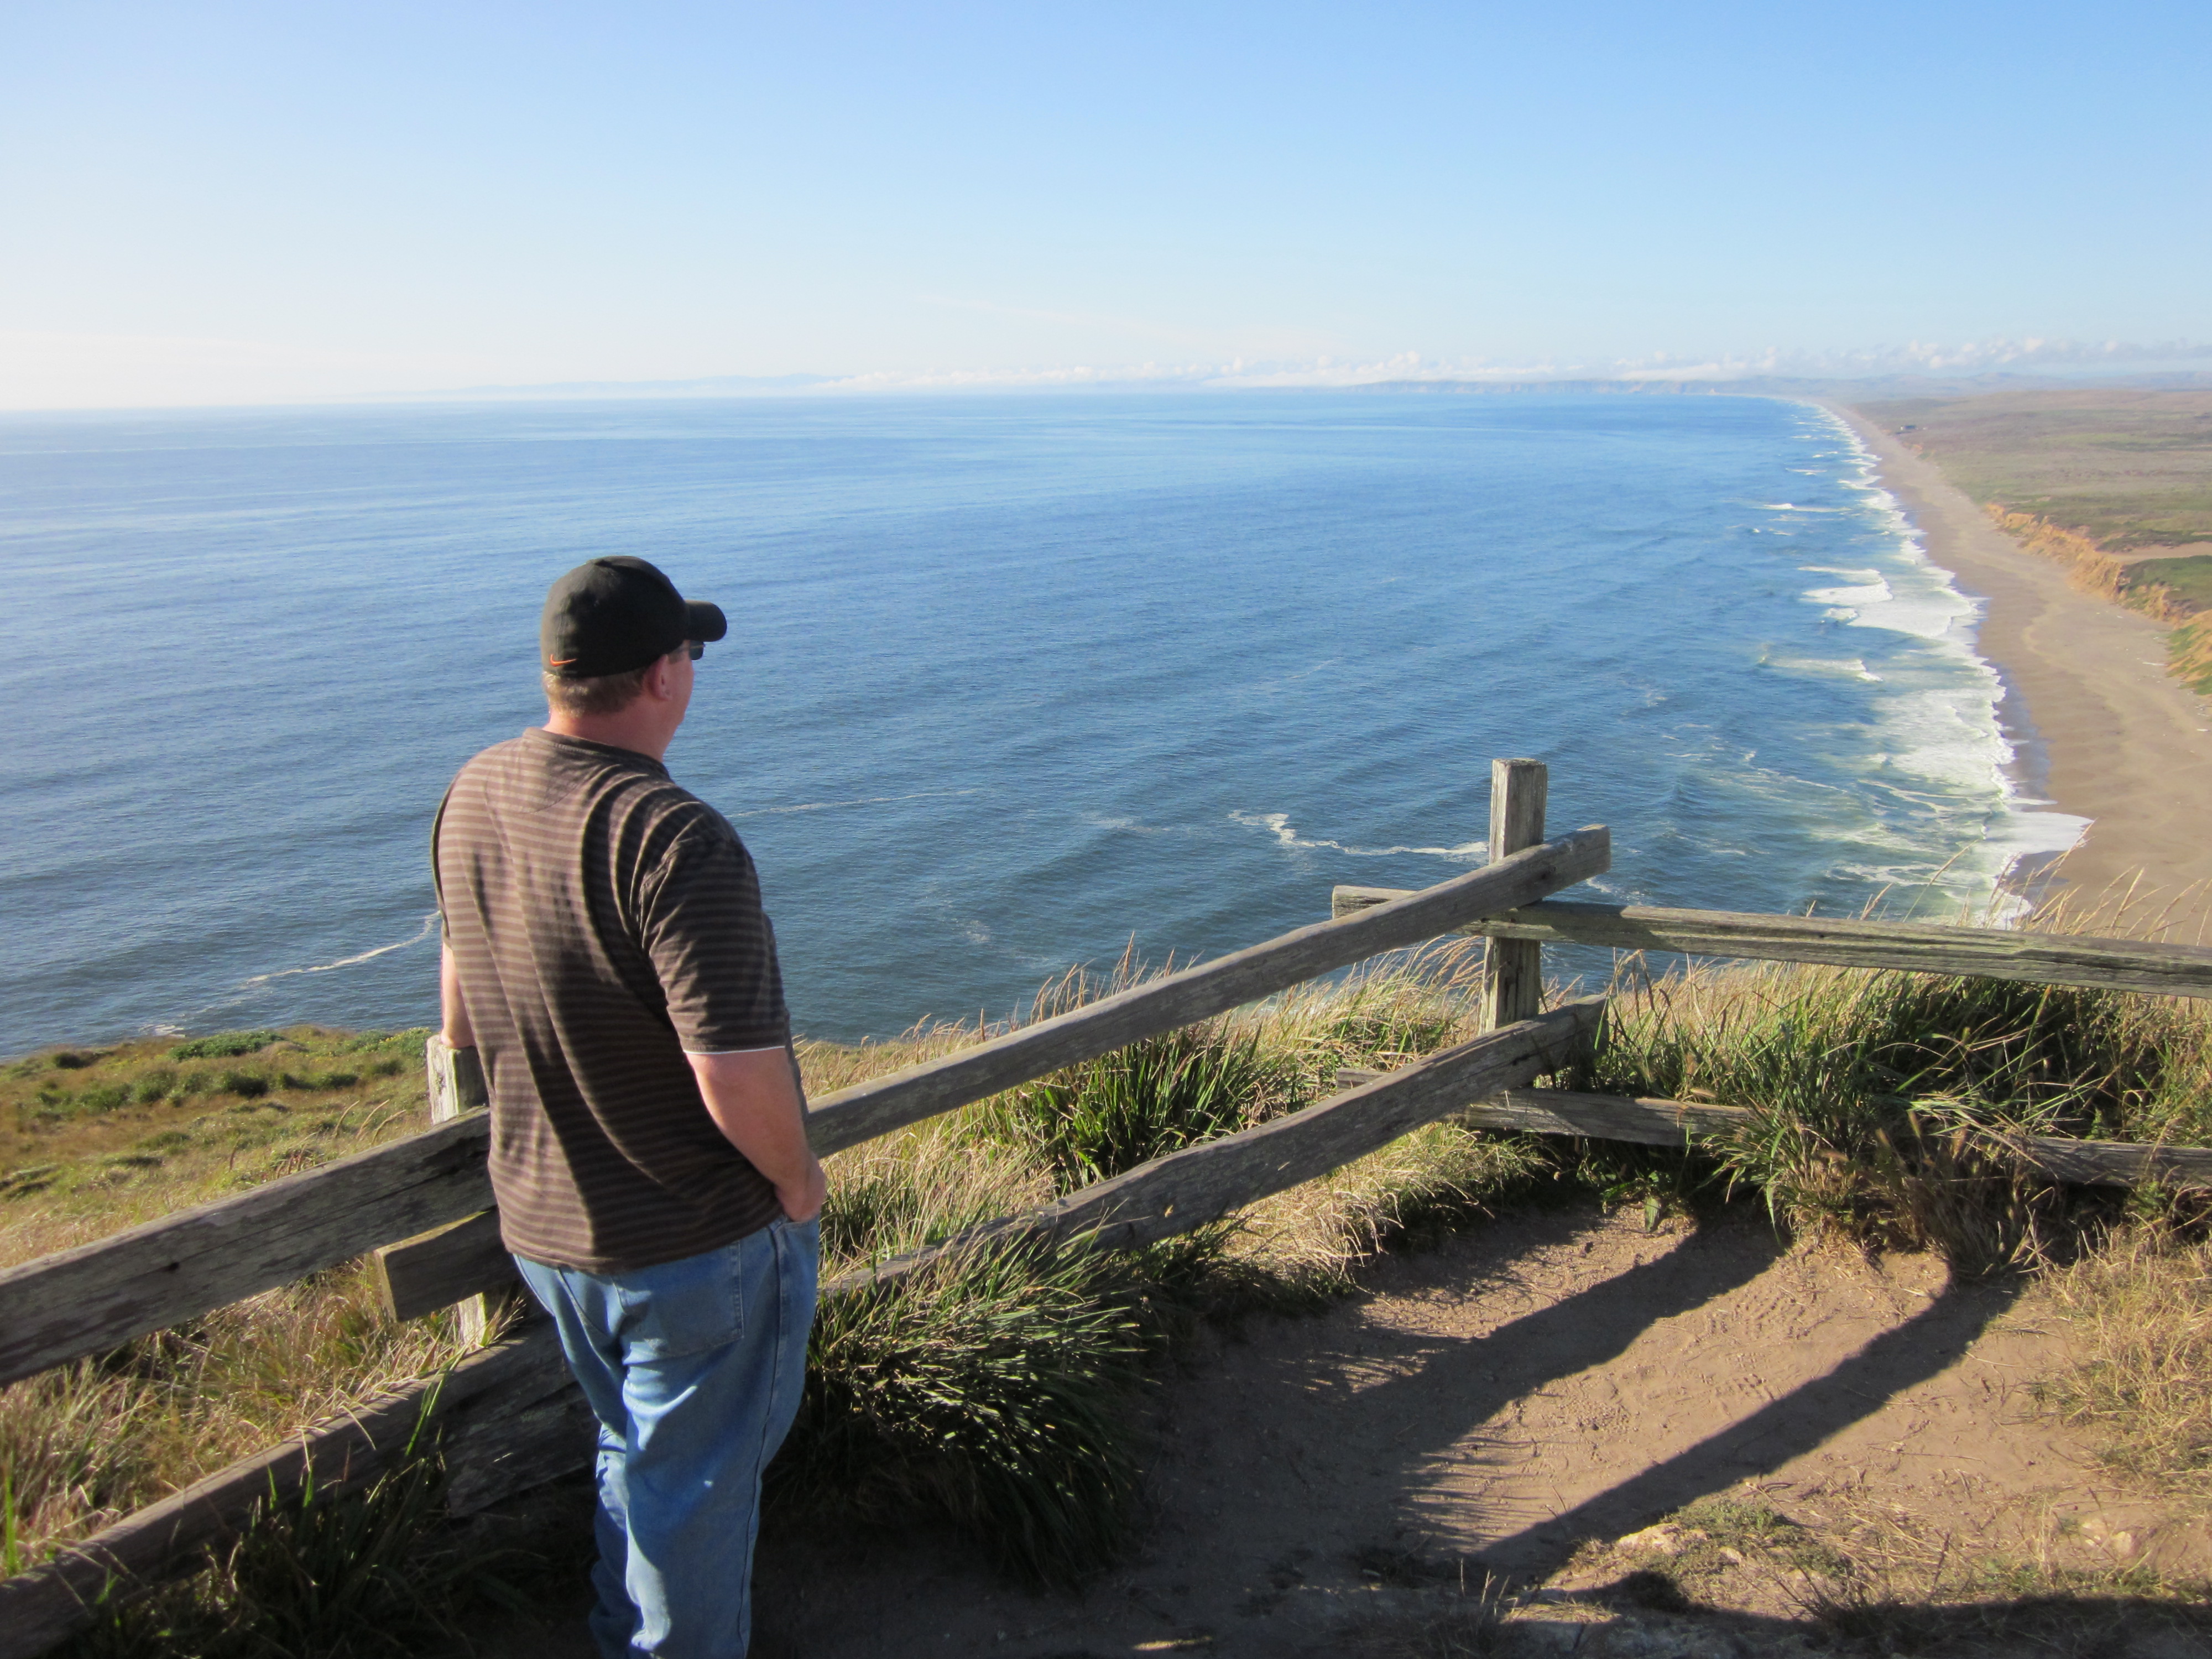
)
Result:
{"points": [[458, 1033], [754, 1101]]}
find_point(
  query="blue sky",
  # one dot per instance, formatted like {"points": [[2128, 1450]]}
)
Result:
{"points": [[221, 202]]}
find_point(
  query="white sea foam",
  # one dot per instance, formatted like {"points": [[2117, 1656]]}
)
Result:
{"points": [[1874, 592], [1848, 667], [429, 924], [1277, 824], [863, 800], [1945, 734]]}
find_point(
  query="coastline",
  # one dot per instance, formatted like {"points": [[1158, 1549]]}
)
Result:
{"points": [[2099, 728]]}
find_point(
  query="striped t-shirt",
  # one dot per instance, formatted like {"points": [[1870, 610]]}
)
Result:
{"points": [[604, 921]]}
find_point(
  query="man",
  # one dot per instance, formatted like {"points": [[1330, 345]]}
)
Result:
{"points": [[606, 954]]}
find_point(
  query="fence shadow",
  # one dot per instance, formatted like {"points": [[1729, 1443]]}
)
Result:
{"points": [[1908, 1354]]}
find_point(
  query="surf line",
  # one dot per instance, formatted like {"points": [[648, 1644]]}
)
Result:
{"points": [[1277, 824], [865, 800], [430, 922]]}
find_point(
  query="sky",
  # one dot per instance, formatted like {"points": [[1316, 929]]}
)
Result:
{"points": [[226, 203]]}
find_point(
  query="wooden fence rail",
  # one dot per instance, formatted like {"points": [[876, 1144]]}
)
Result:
{"points": [[1653, 1122], [869, 1109], [1188, 1189], [98, 1296], [40, 1607], [2111, 964]]}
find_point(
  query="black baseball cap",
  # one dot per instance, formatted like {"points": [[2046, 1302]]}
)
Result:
{"points": [[610, 616]]}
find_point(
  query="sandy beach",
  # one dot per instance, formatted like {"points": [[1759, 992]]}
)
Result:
{"points": [[2100, 728]]}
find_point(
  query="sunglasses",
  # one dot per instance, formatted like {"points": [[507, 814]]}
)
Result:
{"points": [[696, 648]]}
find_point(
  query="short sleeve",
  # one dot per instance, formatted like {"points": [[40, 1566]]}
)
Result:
{"points": [[711, 944]]}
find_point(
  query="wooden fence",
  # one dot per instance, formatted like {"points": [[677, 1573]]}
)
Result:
{"points": [[508, 1416]]}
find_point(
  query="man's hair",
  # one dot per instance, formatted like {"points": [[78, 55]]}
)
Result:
{"points": [[606, 694]]}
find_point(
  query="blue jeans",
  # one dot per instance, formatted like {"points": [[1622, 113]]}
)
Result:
{"points": [[693, 1369]]}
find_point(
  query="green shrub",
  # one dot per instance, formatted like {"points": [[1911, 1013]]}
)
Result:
{"points": [[1880, 1102], [988, 1389], [247, 1085], [153, 1086], [1104, 1116], [76, 1060], [223, 1045], [313, 1081], [104, 1096], [374, 1572], [33, 1178]]}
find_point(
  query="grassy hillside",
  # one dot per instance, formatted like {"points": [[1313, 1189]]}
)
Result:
{"points": [[2130, 470], [2116, 486]]}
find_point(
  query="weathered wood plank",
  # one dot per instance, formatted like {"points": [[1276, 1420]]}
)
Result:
{"points": [[1513, 969], [86, 1300], [457, 1088], [457, 1263], [40, 1607], [869, 1109], [1186, 1189], [523, 1445], [456, 1079], [2120, 965], [2119, 1163], [1671, 1123], [1648, 1122]]}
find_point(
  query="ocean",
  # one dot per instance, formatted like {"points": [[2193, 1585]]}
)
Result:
{"points": [[1010, 683]]}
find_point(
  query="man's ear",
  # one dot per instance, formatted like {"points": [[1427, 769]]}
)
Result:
{"points": [[661, 680]]}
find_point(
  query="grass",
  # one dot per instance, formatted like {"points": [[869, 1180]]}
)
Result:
{"points": [[1879, 1102], [2129, 470], [2116, 486], [989, 1395], [2140, 1313], [92, 1141], [1001, 1391], [358, 1576], [1861, 1577]]}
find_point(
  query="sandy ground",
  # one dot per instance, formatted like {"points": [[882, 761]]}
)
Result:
{"points": [[2103, 730], [1484, 1407]]}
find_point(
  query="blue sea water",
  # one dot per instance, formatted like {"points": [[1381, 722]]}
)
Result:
{"points": [[1009, 682]]}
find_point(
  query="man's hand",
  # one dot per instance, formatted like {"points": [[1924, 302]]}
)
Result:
{"points": [[754, 1100]]}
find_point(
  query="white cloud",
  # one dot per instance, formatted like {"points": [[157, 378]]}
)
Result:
{"points": [[1917, 357], [55, 370]]}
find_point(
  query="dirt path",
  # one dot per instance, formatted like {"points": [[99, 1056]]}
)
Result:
{"points": [[1485, 1406]]}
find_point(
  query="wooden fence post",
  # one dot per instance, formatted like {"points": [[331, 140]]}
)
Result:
{"points": [[1513, 970], [457, 1087]]}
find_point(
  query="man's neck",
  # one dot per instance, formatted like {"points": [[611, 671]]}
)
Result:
{"points": [[625, 730]]}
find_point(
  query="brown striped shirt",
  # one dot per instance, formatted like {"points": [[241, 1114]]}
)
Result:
{"points": [[603, 920]]}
